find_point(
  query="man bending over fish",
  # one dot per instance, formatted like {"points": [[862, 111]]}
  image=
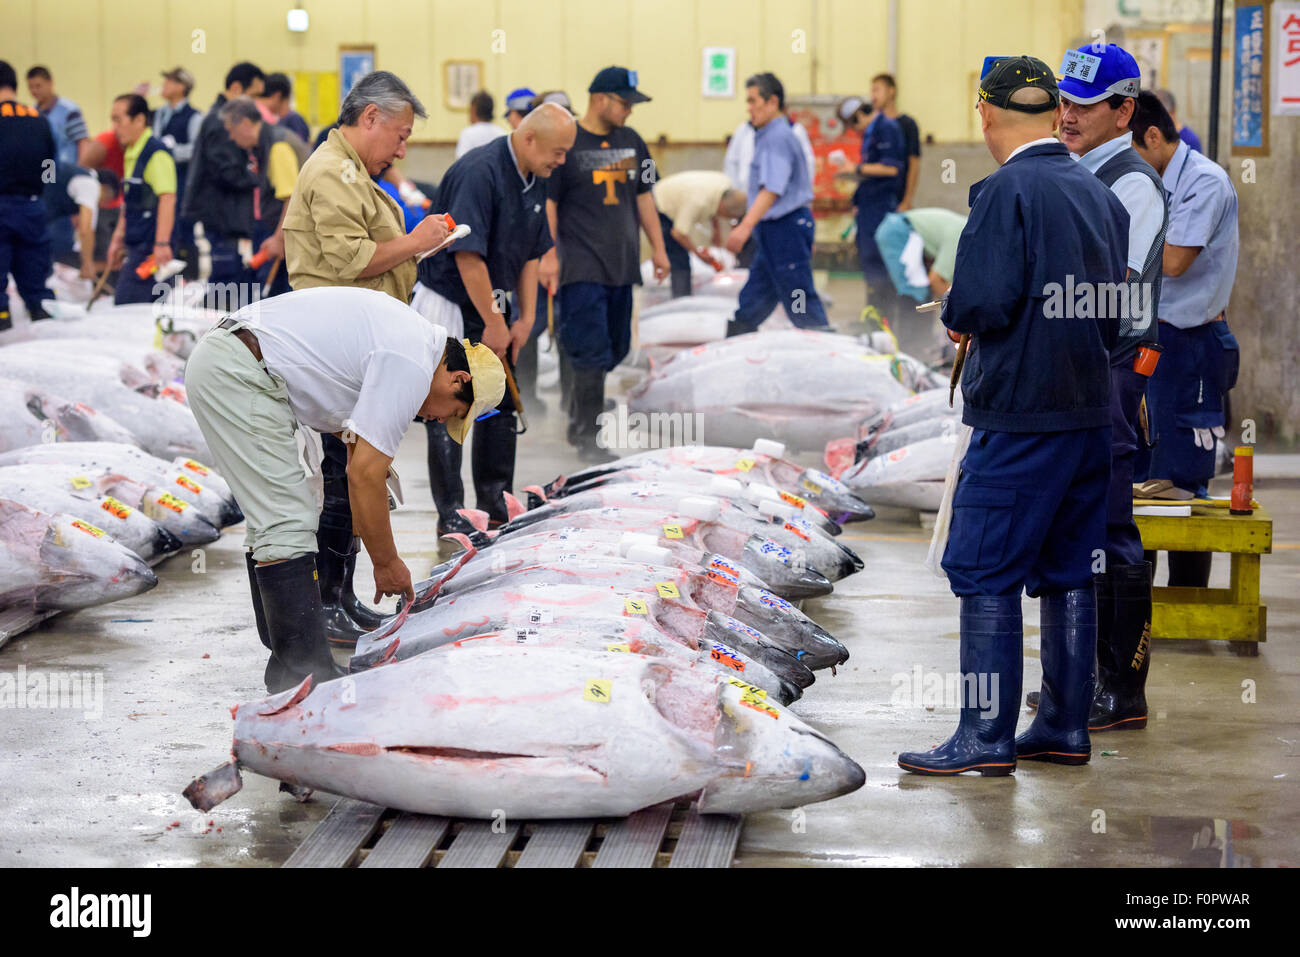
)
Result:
{"points": [[354, 363]]}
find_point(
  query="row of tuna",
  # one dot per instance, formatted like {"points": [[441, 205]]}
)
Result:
{"points": [[101, 472], [631, 638]]}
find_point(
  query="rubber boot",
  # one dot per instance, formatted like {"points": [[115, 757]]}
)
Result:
{"points": [[365, 616], [258, 614], [445, 483], [1103, 586], [1119, 703], [333, 547], [295, 622], [493, 465], [1189, 569], [588, 404], [526, 378], [1059, 733], [991, 650], [566, 398]]}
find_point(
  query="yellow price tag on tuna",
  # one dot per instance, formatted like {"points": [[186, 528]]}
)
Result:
{"points": [[168, 500], [745, 464], [80, 482], [811, 486], [115, 508], [194, 466], [794, 500], [623, 647], [667, 590], [748, 688], [673, 531], [635, 606], [157, 336], [88, 528], [597, 689]]}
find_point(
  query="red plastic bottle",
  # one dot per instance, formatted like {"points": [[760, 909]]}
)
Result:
{"points": [[1243, 481]]}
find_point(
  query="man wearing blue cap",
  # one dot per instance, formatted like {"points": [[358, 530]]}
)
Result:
{"points": [[1099, 85], [518, 103], [596, 203], [779, 217], [1029, 509]]}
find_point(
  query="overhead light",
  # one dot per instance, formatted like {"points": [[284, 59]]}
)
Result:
{"points": [[297, 20]]}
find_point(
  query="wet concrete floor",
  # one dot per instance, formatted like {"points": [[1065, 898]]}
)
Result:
{"points": [[1212, 781]]}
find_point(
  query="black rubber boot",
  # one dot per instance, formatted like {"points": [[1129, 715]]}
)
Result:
{"points": [[1059, 733], [365, 616], [1120, 703], [295, 622], [333, 548], [588, 404], [258, 614], [1104, 588], [991, 648], [1189, 569], [493, 465], [526, 378], [566, 398], [445, 456]]}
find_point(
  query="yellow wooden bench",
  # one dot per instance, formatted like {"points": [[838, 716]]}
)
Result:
{"points": [[1232, 614]]}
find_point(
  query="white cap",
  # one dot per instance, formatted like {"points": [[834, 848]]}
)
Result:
{"points": [[721, 485], [769, 447], [705, 509], [649, 555]]}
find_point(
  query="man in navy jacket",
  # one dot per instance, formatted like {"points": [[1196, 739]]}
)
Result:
{"points": [[1043, 249]]}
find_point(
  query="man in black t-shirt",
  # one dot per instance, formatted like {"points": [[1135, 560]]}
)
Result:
{"points": [[883, 94], [596, 203], [26, 151]]}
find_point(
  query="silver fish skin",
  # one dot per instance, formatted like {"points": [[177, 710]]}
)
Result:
{"points": [[535, 733]]}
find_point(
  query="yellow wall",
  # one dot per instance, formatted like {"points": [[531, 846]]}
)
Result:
{"points": [[99, 48]]}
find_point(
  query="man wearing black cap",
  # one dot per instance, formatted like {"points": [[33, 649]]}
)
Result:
{"points": [[595, 204], [1029, 511]]}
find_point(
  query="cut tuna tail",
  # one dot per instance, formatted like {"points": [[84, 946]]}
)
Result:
{"points": [[475, 517], [514, 507], [373, 659], [536, 496], [427, 599], [207, 791], [839, 456]]}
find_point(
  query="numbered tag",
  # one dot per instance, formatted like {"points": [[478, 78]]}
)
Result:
{"points": [[744, 464], [811, 486], [188, 483], [168, 500], [747, 688], [720, 563], [194, 466], [673, 531], [635, 606], [115, 508], [540, 616], [619, 647], [87, 528], [80, 481], [755, 699], [1080, 66], [597, 689], [667, 590], [790, 527], [741, 628], [722, 578], [773, 601], [794, 500], [725, 656], [524, 636]]}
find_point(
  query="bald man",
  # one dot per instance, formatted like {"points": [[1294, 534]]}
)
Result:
{"points": [[496, 190], [1029, 512]]}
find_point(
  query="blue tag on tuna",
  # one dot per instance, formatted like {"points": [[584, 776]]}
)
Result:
{"points": [[773, 601]]}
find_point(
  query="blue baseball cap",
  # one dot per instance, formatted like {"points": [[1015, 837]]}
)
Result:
{"points": [[519, 100], [1093, 72], [619, 81]]}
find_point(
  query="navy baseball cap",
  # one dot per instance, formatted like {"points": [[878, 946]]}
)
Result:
{"points": [[1094, 72], [620, 81], [519, 100]]}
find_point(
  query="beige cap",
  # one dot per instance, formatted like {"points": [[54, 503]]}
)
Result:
{"points": [[488, 376], [181, 76]]}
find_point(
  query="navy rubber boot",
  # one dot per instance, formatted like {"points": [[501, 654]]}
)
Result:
{"points": [[991, 654], [1059, 733]]}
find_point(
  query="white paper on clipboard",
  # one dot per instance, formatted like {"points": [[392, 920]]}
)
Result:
{"points": [[460, 232]]}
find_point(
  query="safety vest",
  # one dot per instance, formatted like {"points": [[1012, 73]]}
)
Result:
{"points": [[140, 202], [1131, 334]]}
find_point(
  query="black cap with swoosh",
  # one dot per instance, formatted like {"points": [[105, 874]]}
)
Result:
{"points": [[1003, 77]]}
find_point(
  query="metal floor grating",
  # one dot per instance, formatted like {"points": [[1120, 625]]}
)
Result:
{"points": [[672, 834]]}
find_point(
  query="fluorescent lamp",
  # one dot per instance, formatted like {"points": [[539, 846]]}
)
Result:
{"points": [[297, 20]]}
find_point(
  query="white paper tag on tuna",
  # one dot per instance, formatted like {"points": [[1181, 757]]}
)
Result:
{"points": [[540, 616], [525, 636]]}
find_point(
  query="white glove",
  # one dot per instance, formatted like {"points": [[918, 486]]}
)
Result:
{"points": [[169, 141], [1205, 437], [411, 195]]}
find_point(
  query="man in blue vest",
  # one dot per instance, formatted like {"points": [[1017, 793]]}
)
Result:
{"points": [[177, 124], [27, 145], [149, 201], [1029, 513], [1099, 85]]}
